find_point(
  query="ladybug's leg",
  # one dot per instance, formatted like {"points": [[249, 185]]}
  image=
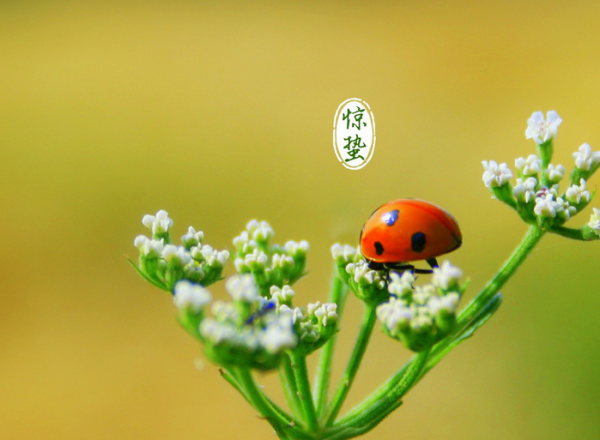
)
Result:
{"points": [[433, 263], [399, 267], [423, 271], [374, 265]]}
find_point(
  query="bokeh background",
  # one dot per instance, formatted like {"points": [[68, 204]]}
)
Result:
{"points": [[222, 112]]}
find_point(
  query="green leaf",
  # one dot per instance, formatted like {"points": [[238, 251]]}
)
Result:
{"points": [[485, 314], [481, 318], [147, 277]]}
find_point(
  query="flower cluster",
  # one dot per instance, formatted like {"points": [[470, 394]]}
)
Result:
{"points": [[368, 284], [536, 195], [269, 264], [420, 316], [164, 264], [250, 330], [260, 322], [243, 332]]}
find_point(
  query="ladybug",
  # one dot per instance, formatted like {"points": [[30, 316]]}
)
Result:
{"points": [[407, 230]]}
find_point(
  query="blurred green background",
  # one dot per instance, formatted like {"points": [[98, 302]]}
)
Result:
{"points": [[220, 113]]}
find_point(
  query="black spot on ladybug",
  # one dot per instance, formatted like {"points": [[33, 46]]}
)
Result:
{"points": [[378, 248], [418, 241], [389, 218]]}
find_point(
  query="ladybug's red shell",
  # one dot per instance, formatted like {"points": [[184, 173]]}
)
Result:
{"points": [[406, 230]]}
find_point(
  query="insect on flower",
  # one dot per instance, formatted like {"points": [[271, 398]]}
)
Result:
{"points": [[265, 307], [406, 230]]}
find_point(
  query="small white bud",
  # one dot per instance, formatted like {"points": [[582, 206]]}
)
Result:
{"points": [[445, 275], [283, 295], [242, 288], [585, 159], [578, 193], [191, 296], [524, 190], [159, 224], [594, 222], [176, 255], [278, 335], [546, 206], [555, 174], [530, 166], [495, 175], [192, 238]]}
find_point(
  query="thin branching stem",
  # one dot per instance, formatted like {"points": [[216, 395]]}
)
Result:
{"points": [[337, 295], [306, 399], [347, 378]]}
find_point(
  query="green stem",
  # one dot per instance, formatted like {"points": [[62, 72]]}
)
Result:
{"points": [[350, 432], [337, 295], [387, 398], [281, 423], [545, 152], [290, 388], [230, 377], [306, 400], [486, 313], [405, 378], [531, 239], [583, 234], [347, 378]]}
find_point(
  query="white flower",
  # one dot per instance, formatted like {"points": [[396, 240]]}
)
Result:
{"points": [[324, 313], [283, 295], [281, 261], [495, 175], [194, 271], [525, 189], [563, 209], [297, 313], [309, 332], [546, 206], [343, 254], [223, 311], [242, 288], [530, 166], [541, 130], [244, 243], [445, 275], [448, 303], [159, 224], [575, 193], [585, 158], [192, 238], [421, 323], [363, 275], [394, 315], [216, 331], [422, 294], [555, 174], [279, 335], [594, 222], [400, 285], [176, 255], [260, 231], [214, 257], [149, 248], [191, 296], [296, 249], [257, 260]]}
